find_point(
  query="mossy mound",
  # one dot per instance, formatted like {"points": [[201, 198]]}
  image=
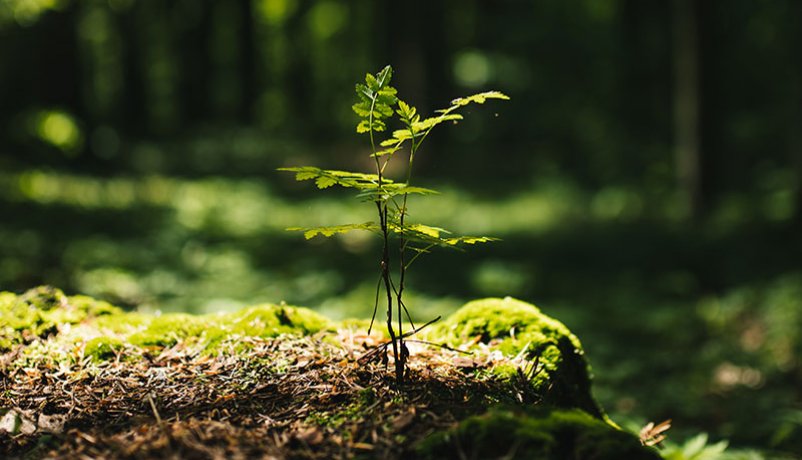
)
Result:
{"points": [[40, 312], [103, 348], [261, 321], [45, 313], [544, 434], [519, 329], [316, 376]]}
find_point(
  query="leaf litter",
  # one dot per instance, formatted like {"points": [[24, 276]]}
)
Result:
{"points": [[287, 397]]}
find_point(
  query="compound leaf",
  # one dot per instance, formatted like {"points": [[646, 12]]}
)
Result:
{"points": [[390, 190], [430, 123], [332, 230], [325, 182], [325, 178], [479, 98], [470, 240]]}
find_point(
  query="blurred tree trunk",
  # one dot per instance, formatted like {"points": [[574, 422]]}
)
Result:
{"points": [[419, 57], [687, 136], [132, 113], [795, 150], [794, 122], [296, 81], [436, 59], [247, 63], [644, 108], [58, 79], [195, 61], [404, 24]]}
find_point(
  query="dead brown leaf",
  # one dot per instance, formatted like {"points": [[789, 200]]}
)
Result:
{"points": [[653, 435]]}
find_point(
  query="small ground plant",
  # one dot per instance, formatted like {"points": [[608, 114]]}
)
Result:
{"points": [[378, 107]]}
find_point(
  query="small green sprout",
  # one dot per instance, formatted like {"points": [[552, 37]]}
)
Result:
{"points": [[378, 105]]}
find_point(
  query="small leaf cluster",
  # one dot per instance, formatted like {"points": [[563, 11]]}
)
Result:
{"points": [[367, 184], [416, 129], [376, 101]]}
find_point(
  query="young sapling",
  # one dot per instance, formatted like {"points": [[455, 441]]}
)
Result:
{"points": [[378, 105]]}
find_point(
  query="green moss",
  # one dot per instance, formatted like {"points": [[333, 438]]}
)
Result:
{"points": [[569, 423], [39, 313], [346, 412], [544, 434], [121, 323], [519, 328], [103, 348], [259, 321], [266, 320], [92, 307], [166, 330], [44, 298], [43, 313], [269, 320]]}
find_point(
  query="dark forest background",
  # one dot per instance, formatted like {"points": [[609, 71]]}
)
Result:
{"points": [[646, 177]]}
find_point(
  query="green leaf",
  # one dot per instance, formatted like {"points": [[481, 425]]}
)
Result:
{"points": [[430, 123], [390, 190], [362, 108], [388, 151], [387, 96], [390, 142], [406, 112], [431, 236], [384, 110], [479, 98], [416, 190], [384, 76], [376, 101], [401, 135], [329, 231], [325, 182], [364, 93], [325, 178], [419, 233], [427, 230], [378, 125], [470, 240], [363, 127], [372, 83]]}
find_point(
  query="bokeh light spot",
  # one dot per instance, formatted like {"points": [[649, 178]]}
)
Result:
{"points": [[327, 18], [58, 129], [472, 69]]}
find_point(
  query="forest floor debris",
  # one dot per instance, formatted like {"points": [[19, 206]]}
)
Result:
{"points": [[283, 397]]}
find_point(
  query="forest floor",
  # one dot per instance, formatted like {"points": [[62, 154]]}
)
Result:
{"points": [[283, 397]]}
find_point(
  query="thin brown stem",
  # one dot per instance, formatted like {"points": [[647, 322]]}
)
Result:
{"points": [[385, 268], [381, 207], [409, 317], [402, 265]]}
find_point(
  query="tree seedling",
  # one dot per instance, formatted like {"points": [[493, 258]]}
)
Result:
{"points": [[379, 105]]}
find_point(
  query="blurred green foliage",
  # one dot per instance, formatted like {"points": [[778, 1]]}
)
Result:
{"points": [[139, 139]]}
